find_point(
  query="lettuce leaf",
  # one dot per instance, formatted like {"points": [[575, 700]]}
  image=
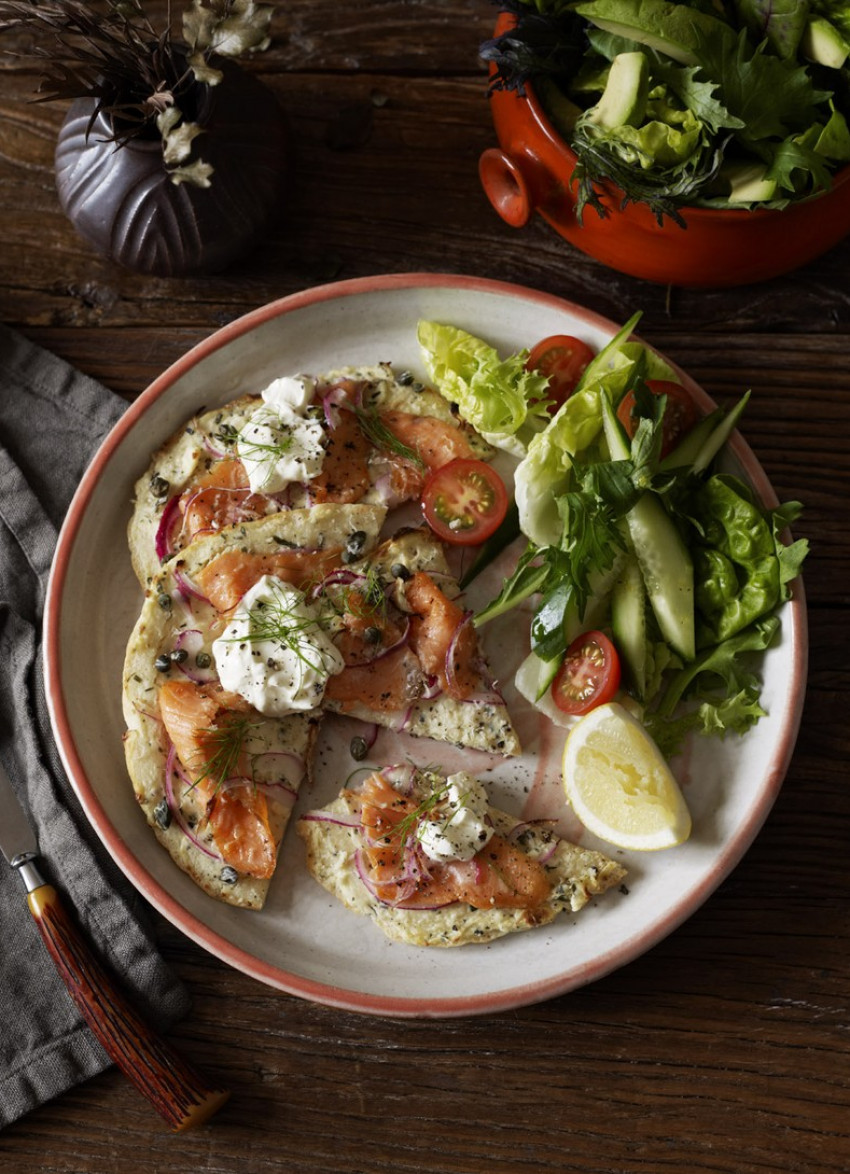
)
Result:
{"points": [[502, 401], [546, 473], [780, 22]]}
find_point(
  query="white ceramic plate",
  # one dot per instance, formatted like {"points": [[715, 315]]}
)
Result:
{"points": [[303, 942]]}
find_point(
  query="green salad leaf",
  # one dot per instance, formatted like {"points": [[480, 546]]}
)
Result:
{"points": [[504, 402], [780, 22], [771, 96]]}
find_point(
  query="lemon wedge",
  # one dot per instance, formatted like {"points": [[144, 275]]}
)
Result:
{"points": [[619, 784]]}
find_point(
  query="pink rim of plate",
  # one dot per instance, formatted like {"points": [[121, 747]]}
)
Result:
{"points": [[523, 994]]}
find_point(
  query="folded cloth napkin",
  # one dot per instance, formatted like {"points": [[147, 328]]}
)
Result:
{"points": [[51, 420]]}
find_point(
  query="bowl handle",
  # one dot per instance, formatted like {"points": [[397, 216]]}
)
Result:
{"points": [[505, 186]]}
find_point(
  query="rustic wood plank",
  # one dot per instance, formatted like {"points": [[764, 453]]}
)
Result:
{"points": [[723, 1050]]}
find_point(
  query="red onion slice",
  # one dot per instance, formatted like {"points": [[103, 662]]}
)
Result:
{"points": [[187, 588], [400, 776], [172, 767], [451, 650], [218, 453], [331, 402], [550, 842], [278, 768], [163, 539], [345, 821], [408, 887]]}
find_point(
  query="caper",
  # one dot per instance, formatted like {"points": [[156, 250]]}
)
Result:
{"points": [[162, 813], [354, 546], [372, 635], [162, 663], [203, 660], [400, 571], [160, 486], [358, 748], [405, 378], [178, 655], [229, 875], [164, 601]]}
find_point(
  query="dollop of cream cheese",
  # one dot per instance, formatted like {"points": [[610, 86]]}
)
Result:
{"points": [[457, 829], [279, 444], [274, 652]]}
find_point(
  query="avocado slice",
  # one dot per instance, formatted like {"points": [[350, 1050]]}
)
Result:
{"points": [[747, 183], [823, 43], [563, 114], [834, 140], [623, 102]]}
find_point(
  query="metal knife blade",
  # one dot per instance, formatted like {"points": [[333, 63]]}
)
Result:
{"points": [[16, 835], [182, 1096]]}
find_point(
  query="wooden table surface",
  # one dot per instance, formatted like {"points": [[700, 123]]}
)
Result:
{"points": [[726, 1048]]}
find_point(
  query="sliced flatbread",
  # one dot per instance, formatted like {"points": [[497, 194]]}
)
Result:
{"points": [[334, 844], [480, 721], [207, 441], [174, 619]]}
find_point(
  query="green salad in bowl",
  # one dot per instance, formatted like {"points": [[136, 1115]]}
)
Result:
{"points": [[711, 103]]}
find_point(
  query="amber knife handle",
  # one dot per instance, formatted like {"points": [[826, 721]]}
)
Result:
{"points": [[180, 1094]]}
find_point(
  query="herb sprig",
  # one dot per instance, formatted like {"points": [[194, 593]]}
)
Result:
{"points": [[378, 434], [227, 741], [282, 623]]}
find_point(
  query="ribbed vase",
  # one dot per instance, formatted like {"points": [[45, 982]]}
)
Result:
{"points": [[124, 203]]}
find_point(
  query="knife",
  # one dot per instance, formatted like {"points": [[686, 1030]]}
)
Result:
{"points": [[177, 1091]]}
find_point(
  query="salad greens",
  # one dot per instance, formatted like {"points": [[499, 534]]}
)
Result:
{"points": [[505, 403], [730, 103], [675, 556]]}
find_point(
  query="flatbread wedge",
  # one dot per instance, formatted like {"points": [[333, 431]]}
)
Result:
{"points": [[435, 682], [383, 433], [215, 778], [366, 849]]}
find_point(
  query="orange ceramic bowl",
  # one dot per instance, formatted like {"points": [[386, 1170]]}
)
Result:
{"points": [[531, 172]]}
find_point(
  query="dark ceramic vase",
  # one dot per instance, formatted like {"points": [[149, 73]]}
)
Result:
{"points": [[124, 203]]}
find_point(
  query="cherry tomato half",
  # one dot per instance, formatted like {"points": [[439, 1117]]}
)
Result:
{"points": [[563, 359], [589, 675], [464, 501], [680, 415]]}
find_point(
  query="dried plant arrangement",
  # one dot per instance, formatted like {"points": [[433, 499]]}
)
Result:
{"points": [[140, 76]]}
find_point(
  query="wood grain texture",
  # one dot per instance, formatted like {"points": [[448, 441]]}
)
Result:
{"points": [[726, 1048]]}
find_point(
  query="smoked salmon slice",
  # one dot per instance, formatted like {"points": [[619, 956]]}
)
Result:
{"points": [[386, 685], [222, 497], [499, 876], [439, 627], [235, 810], [344, 477], [434, 441], [226, 578]]}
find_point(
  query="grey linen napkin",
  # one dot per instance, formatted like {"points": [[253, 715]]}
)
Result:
{"points": [[51, 420]]}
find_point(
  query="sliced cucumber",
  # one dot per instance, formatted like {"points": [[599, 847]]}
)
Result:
{"points": [[668, 573], [666, 566], [690, 446], [601, 585], [628, 623], [720, 435], [615, 433]]}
